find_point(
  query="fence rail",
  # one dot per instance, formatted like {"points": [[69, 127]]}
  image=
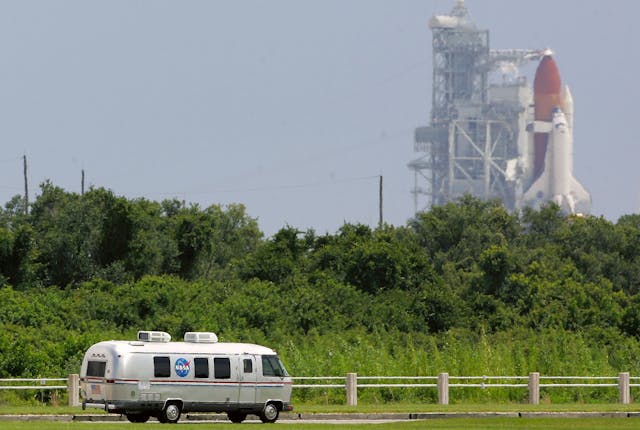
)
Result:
{"points": [[44, 384], [444, 382]]}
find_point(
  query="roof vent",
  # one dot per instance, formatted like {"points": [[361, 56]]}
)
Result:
{"points": [[200, 337], [154, 336]]}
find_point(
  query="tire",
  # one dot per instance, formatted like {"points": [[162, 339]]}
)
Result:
{"points": [[137, 418], [170, 414], [270, 413], [236, 417]]}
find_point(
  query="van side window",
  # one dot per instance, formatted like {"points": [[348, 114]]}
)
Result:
{"points": [[221, 368], [161, 367], [96, 368], [248, 365], [202, 367]]}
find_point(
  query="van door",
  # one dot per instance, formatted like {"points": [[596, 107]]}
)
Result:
{"points": [[248, 378], [275, 382], [224, 374]]}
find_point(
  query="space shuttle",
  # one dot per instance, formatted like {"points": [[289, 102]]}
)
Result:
{"points": [[552, 137]]}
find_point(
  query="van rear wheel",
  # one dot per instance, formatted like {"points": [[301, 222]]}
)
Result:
{"points": [[270, 413], [138, 418], [236, 417], [170, 414]]}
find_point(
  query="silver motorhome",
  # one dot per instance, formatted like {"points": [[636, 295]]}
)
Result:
{"points": [[153, 376]]}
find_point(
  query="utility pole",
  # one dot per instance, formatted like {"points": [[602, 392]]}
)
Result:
{"points": [[82, 184], [26, 185], [380, 200]]}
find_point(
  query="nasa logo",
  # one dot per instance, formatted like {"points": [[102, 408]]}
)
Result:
{"points": [[182, 367]]}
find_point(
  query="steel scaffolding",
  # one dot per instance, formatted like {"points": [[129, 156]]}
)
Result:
{"points": [[473, 138]]}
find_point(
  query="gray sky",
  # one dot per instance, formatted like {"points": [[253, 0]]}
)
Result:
{"points": [[291, 107]]}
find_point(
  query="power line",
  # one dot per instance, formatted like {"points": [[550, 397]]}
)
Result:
{"points": [[275, 187], [10, 160]]}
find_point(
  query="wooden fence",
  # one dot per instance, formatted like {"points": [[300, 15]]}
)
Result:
{"points": [[46, 384], [351, 383]]}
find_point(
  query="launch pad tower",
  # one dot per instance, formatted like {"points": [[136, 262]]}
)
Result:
{"points": [[476, 139]]}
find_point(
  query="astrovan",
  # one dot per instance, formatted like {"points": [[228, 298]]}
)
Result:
{"points": [[154, 377]]}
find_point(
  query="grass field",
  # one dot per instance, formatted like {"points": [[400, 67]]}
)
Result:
{"points": [[465, 407], [445, 424]]}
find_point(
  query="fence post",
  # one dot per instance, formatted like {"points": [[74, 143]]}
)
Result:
{"points": [[443, 388], [352, 389], [623, 388], [73, 389], [534, 388]]}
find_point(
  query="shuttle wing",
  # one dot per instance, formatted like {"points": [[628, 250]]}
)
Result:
{"points": [[581, 197], [538, 191]]}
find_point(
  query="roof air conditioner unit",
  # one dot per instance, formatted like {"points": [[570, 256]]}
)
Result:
{"points": [[154, 336], [200, 337]]}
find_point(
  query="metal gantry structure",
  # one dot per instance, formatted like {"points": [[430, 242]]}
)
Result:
{"points": [[477, 134]]}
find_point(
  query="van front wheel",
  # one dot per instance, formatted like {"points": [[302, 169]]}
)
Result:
{"points": [[170, 414], [270, 413]]}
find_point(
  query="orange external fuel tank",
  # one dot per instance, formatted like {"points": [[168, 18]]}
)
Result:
{"points": [[547, 94]]}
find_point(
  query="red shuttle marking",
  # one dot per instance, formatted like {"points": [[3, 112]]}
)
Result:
{"points": [[547, 94]]}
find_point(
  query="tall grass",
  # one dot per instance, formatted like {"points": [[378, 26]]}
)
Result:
{"points": [[460, 353], [514, 352]]}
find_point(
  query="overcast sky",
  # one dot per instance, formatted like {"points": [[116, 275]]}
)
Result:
{"points": [[290, 107]]}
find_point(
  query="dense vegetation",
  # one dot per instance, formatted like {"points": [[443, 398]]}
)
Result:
{"points": [[466, 288]]}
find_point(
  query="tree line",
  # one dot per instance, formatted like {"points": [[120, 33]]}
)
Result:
{"points": [[75, 269]]}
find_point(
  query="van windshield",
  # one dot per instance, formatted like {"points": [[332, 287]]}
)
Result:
{"points": [[272, 366]]}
